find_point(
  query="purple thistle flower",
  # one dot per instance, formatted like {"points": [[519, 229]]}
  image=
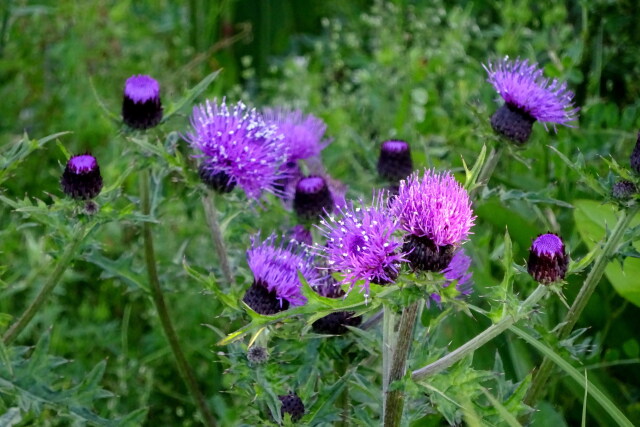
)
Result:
{"points": [[528, 97], [361, 244], [548, 260], [275, 268], [303, 133], [236, 147], [81, 179], [141, 105], [458, 271], [435, 211]]}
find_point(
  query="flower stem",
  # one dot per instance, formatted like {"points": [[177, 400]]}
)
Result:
{"points": [[158, 299], [487, 170], [588, 287], [481, 339], [394, 399], [61, 266], [208, 202]]}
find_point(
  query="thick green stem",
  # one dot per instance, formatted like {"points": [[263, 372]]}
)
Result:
{"points": [[163, 313], [208, 202], [388, 345], [394, 399], [487, 170], [484, 337], [588, 287], [49, 286]]}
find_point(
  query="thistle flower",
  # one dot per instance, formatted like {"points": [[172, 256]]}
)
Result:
{"points": [[292, 405], [635, 156], [395, 161], [528, 97], [303, 133], [236, 147], [275, 268], [458, 271], [361, 244], [141, 105], [548, 260], [436, 213], [623, 189], [81, 178], [312, 198]]}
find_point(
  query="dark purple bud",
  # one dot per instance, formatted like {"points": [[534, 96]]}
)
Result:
{"points": [[336, 323], [623, 190], [423, 254], [218, 181], [635, 156], [548, 260], [264, 301], [292, 405], [395, 161], [81, 178], [513, 123], [312, 198], [141, 105]]}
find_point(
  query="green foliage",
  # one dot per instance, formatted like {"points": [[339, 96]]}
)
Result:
{"points": [[373, 71]]}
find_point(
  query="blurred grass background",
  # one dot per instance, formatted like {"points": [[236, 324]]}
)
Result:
{"points": [[372, 70]]}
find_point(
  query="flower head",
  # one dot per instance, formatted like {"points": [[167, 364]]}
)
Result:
{"points": [[275, 270], [458, 271], [141, 105], [303, 133], [548, 260], [435, 211], [528, 96], [236, 147], [361, 244], [312, 198], [81, 178], [395, 161]]}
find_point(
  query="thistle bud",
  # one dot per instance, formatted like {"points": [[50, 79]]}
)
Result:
{"points": [[81, 178], [141, 105], [548, 260]]}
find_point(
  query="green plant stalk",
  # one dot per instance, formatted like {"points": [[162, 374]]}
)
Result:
{"points": [[588, 287], [208, 201], [163, 313], [61, 266], [487, 170], [394, 399], [388, 345], [481, 339]]}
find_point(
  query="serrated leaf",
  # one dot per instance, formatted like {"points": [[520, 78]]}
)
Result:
{"points": [[190, 96], [592, 220]]}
